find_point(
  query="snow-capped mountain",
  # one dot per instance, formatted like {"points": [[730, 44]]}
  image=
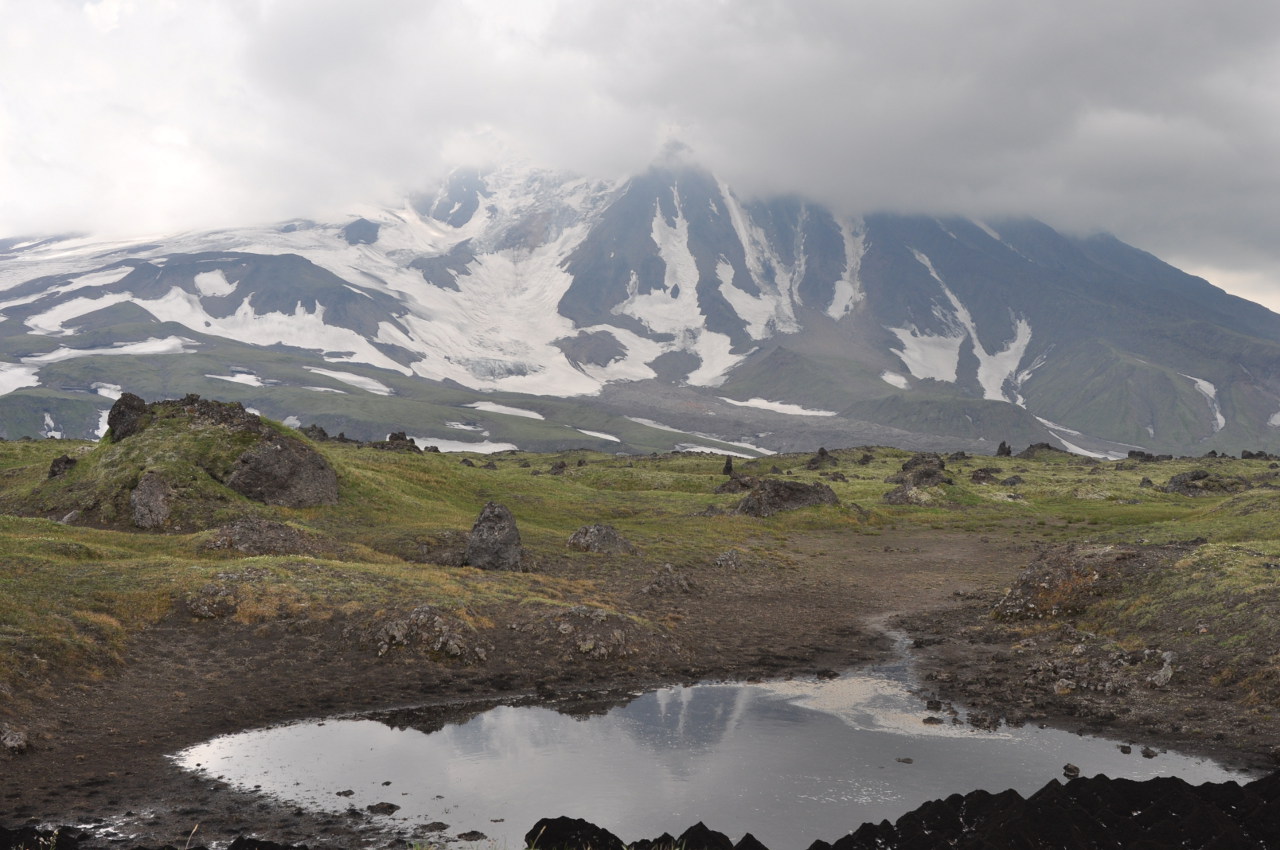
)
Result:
{"points": [[522, 307]]}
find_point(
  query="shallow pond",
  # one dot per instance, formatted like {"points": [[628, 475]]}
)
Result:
{"points": [[789, 762]]}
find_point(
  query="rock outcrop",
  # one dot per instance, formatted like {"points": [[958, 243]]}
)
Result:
{"points": [[773, 495], [285, 471], [1090, 813], [600, 538], [494, 542]]}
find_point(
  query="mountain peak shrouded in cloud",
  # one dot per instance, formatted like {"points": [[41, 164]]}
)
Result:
{"points": [[596, 307], [1154, 120]]}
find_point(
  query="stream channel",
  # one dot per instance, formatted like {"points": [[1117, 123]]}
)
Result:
{"points": [[788, 761]]}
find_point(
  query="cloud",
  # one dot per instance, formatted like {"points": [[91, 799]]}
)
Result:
{"points": [[1154, 119]]}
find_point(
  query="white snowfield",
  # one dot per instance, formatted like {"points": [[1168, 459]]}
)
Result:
{"points": [[484, 447], [1210, 393], [937, 356], [362, 382], [482, 335], [493, 407], [778, 407]]}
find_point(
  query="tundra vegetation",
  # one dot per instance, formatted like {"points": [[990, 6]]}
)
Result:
{"points": [[79, 580]]}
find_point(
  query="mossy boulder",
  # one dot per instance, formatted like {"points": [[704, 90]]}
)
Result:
{"points": [[183, 465]]}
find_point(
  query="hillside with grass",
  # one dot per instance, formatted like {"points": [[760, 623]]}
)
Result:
{"points": [[81, 583]]}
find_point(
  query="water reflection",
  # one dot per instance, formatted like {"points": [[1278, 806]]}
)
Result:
{"points": [[787, 761]]}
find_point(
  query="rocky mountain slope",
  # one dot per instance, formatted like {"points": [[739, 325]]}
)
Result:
{"points": [[522, 307]]}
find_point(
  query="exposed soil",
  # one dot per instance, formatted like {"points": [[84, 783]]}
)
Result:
{"points": [[98, 752]]}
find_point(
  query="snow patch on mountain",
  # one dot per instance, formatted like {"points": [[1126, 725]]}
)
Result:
{"points": [[111, 391], [1210, 392], [302, 329], [168, 345], [484, 447], [894, 379], [362, 382], [492, 407], [778, 407], [848, 289], [242, 378], [52, 321], [600, 434], [929, 355], [15, 376], [938, 356], [213, 283], [761, 314]]}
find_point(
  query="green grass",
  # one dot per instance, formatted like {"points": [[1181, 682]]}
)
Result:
{"points": [[71, 597]]}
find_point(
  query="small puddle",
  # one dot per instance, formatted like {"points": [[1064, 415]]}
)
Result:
{"points": [[789, 762]]}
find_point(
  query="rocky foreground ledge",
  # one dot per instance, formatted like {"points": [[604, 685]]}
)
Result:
{"points": [[1096, 813]]}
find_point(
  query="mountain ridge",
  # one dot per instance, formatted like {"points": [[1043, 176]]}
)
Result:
{"points": [[530, 285]]}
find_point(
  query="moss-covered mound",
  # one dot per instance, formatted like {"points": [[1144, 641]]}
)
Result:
{"points": [[181, 465]]}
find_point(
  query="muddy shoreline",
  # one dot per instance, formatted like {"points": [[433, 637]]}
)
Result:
{"points": [[98, 753]]}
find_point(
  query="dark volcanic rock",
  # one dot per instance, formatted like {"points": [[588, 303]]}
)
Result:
{"points": [[396, 442], [62, 464], [600, 538], [1037, 449], [151, 501], [565, 833], [700, 837], [738, 484], [1083, 814], [126, 416], [284, 471], [1199, 482], [821, 460], [494, 543], [258, 536], [986, 475], [926, 469], [772, 495]]}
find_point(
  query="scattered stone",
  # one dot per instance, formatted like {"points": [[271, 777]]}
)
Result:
{"points": [[600, 538], [738, 484], [385, 809], [924, 469], [1070, 771], [61, 465], [558, 468], [565, 833], [728, 465], [151, 501], [284, 471], [1200, 482], [494, 543], [1037, 449], [254, 535], [821, 460], [127, 417], [14, 740], [905, 761], [466, 461], [1012, 481], [395, 442], [986, 475], [667, 581], [1003, 450], [772, 495], [472, 835], [905, 494]]}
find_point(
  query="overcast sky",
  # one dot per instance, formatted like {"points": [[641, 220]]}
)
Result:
{"points": [[1158, 120]]}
